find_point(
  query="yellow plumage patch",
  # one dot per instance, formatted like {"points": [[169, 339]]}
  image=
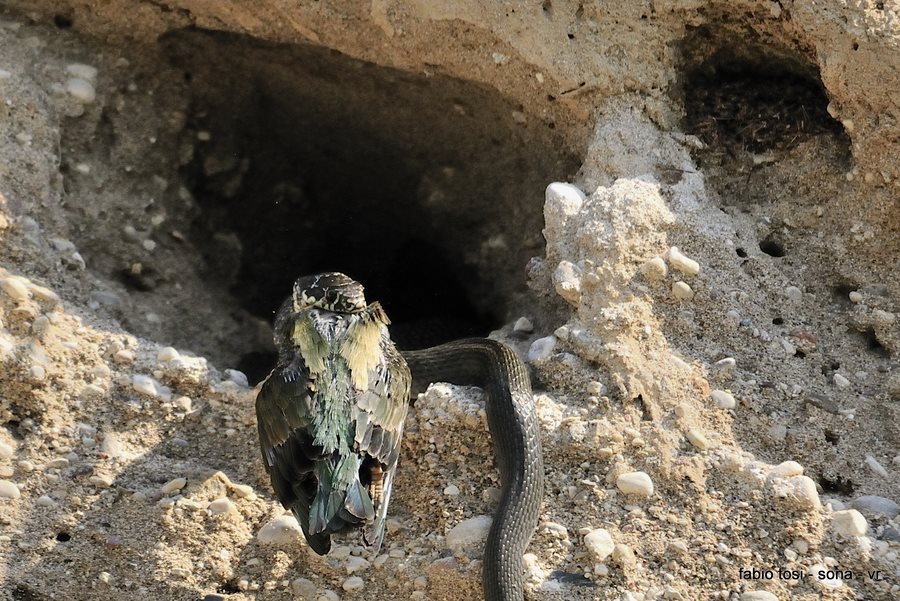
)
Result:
{"points": [[361, 348], [312, 348]]}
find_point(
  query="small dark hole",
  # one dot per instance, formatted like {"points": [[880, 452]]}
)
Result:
{"points": [[838, 485], [571, 36], [855, 45], [873, 345], [799, 353], [772, 247], [63, 537], [778, 321], [62, 21], [832, 437], [229, 587], [547, 7], [741, 252]]}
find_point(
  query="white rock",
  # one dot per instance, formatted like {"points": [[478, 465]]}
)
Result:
{"points": [[9, 490], [849, 523], [355, 564], [599, 543], [6, 451], [451, 490], [635, 483], [524, 325], [173, 485], [541, 349], [876, 467], [786, 469], [840, 381], [799, 491], [283, 530], [45, 501], [353, 584], [563, 199], [222, 505], [82, 71], [683, 263], [567, 281], [238, 377], [167, 354], [855, 297], [722, 399], [81, 90], [697, 438], [822, 570], [682, 291], [469, 534], [16, 288], [758, 596], [655, 269], [304, 587], [144, 385]]}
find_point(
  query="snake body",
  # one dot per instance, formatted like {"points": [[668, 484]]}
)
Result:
{"points": [[331, 414], [494, 367]]}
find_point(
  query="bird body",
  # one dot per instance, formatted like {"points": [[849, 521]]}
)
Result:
{"points": [[331, 413]]}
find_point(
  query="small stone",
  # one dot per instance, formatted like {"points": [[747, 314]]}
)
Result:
{"points": [[793, 294], [655, 269], [328, 595], [144, 385], [563, 199], [9, 490], [81, 90], [26, 466], [37, 373], [59, 463], [238, 377], [15, 288], [758, 596], [541, 349], [722, 399], [876, 505], [105, 578], [599, 544], [696, 438], [567, 281], [451, 490], [623, 555], [6, 451], [282, 530], [855, 297], [876, 467], [355, 564], [123, 357], [303, 587], [222, 505], [44, 294], [799, 491], [82, 71], [183, 403], [635, 483], [469, 534], [45, 501], [101, 480], [353, 584], [173, 485], [840, 381], [682, 291], [523, 325], [849, 523], [167, 354], [786, 469], [682, 263]]}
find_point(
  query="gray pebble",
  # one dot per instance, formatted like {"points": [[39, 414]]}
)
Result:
{"points": [[875, 504]]}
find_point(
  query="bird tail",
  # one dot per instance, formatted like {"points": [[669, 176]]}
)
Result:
{"points": [[341, 499]]}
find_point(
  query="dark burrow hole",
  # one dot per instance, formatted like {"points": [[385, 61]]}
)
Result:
{"points": [[836, 485], [425, 188], [832, 437], [740, 94], [772, 246], [871, 343], [63, 537], [778, 321]]}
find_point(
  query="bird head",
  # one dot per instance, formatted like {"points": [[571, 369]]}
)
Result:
{"points": [[331, 291]]}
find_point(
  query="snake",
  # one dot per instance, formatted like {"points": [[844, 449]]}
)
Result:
{"points": [[494, 367]]}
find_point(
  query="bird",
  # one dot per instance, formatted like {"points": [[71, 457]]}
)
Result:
{"points": [[331, 413]]}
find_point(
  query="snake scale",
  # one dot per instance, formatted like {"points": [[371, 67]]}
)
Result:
{"points": [[331, 416]]}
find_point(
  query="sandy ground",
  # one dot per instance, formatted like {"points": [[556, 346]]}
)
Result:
{"points": [[712, 300]]}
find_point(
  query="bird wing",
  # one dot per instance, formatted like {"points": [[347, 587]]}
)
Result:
{"points": [[284, 415], [379, 413]]}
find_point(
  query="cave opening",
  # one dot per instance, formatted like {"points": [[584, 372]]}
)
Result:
{"points": [[426, 188]]}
